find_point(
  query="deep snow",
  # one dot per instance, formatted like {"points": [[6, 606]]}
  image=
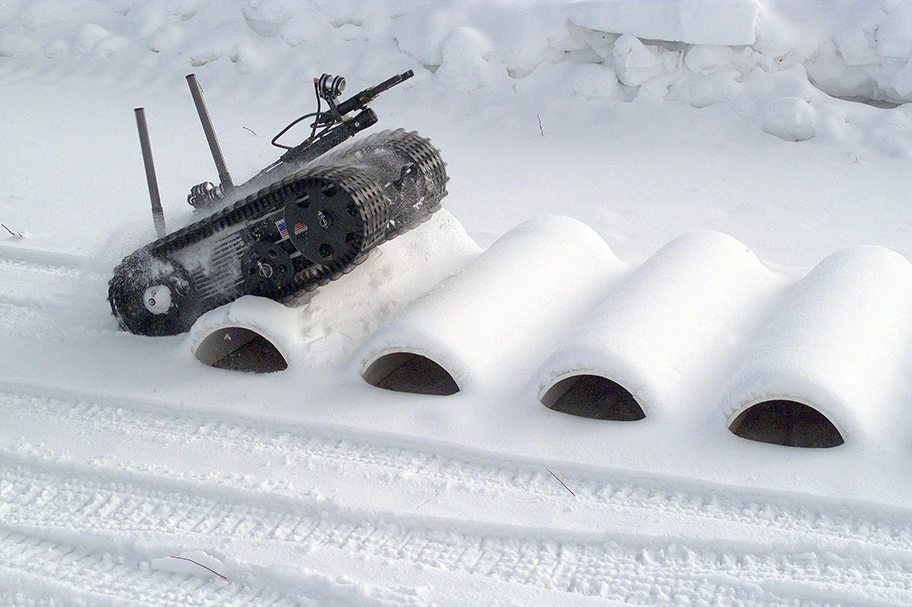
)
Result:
{"points": [[753, 198]]}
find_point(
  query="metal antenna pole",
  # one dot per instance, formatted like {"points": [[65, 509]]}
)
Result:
{"points": [[158, 214], [197, 92]]}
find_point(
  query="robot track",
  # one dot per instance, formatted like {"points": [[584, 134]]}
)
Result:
{"points": [[299, 232]]}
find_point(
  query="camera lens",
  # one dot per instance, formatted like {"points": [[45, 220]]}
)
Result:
{"points": [[331, 87]]}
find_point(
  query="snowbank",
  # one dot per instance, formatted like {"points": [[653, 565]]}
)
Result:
{"points": [[715, 22]]}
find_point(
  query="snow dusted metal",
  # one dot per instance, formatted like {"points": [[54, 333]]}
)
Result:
{"points": [[402, 270]]}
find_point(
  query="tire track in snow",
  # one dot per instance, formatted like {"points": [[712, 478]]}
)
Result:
{"points": [[445, 469], [38, 498], [47, 262], [36, 288], [97, 576]]}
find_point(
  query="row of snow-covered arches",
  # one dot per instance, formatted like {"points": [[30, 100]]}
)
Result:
{"points": [[775, 421], [807, 363]]}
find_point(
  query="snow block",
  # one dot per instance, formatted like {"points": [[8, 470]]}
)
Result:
{"points": [[658, 331], [328, 325], [718, 22], [497, 318], [833, 363]]}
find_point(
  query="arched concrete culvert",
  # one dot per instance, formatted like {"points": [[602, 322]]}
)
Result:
{"points": [[491, 322], [786, 422], [664, 327], [593, 396], [410, 372], [838, 341], [240, 349]]}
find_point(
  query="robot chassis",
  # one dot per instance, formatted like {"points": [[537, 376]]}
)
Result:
{"points": [[306, 219]]}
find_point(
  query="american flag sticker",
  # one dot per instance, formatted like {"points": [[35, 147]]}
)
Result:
{"points": [[299, 227], [283, 229]]}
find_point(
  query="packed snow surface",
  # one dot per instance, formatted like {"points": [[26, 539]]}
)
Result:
{"points": [[704, 202]]}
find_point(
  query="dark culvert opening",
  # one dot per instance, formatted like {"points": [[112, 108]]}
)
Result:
{"points": [[594, 397], [788, 423], [239, 349], [413, 373]]}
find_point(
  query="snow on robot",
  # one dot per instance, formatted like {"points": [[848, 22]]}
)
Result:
{"points": [[302, 221]]}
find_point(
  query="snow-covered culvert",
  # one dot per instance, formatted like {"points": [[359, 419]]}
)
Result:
{"points": [[410, 372], [786, 422], [830, 356], [240, 349], [659, 330], [593, 396], [499, 315]]}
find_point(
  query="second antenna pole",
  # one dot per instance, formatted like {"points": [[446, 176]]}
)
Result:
{"points": [[197, 93]]}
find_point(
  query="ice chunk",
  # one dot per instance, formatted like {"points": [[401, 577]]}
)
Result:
{"points": [[465, 56], [894, 35], [636, 63], [708, 57], [721, 22], [902, 80]]}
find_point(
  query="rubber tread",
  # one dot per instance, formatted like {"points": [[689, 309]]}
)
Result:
{"points": [[381, 218]]}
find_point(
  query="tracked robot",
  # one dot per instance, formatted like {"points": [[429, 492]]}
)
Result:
{"points": [[303, 221]]}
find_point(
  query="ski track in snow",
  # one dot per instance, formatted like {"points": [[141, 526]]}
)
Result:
{"points": [[742, 548], [37, 289], [116, 578]]}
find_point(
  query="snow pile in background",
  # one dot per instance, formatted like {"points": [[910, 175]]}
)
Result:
{"points": [[715, 22], [694, 51]]}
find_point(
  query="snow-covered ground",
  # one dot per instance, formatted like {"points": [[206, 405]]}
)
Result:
{"points": [[721, 163]]}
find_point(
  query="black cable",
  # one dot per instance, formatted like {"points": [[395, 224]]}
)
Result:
{"points": [[313, 127], [286, 129]]}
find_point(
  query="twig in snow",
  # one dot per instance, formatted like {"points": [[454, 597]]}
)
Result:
{"points": [[542, 131], [560, 481], [16, 234], [183, 558], [251, 130]]}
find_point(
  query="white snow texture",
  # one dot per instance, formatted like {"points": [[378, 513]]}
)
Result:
{"points": [[656, 348]]}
